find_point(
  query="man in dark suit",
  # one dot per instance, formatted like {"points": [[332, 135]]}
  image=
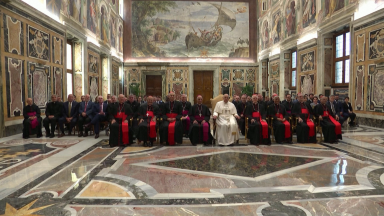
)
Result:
{"points": [[100, 114], [85, 115], [335, 108], [348, 111], [240, 107], [135, 109], [329, 121], [53, 113], [70, 115]]}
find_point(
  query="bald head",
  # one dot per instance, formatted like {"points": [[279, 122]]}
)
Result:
{"points": [[184, 98], [323, 100], [150, 100], [121, 98], [199, 99], [171, 96], [276, 99], [29, 101]]}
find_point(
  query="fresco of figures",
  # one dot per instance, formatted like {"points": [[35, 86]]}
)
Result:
{"points": [[190, 29]]}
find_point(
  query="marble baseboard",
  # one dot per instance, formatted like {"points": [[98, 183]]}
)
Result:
{"points": [[13, 130], [379, 123]]}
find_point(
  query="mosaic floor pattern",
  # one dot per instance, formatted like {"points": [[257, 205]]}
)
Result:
{"points": [[74, 176]]}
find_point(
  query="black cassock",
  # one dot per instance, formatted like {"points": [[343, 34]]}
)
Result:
{"points": [[302, 129], [255, 130], [135, 109], [116, 136], [28, 111], [143, 131], [241, 111], [175, 109], [328, 127], [279, 128], [186, 106], [288, 107], [196, 131]]}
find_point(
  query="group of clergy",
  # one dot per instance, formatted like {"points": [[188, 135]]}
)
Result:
{"points": [[129, 119]]}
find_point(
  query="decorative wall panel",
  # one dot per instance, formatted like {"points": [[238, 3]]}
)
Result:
{"points": [[359, 93], [307, 83], [360, 48], [13, 35], [78, 86], [376, 39], [39, 83], [233, 79], [14, 73], [58, 81], [38, 43], [57, 50], [177, 77], [93, 87]]}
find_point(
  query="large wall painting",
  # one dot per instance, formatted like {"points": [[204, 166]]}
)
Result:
{"points": [[190, 29], [307, 61], [331, 6], [307, 84], [276, 29], [309, 12], [92, 14], [290, 18], [75, 10]]}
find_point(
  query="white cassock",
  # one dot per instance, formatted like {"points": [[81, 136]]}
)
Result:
{"points": [[227, 131]]}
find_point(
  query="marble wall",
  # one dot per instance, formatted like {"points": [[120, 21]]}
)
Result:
{"points": [[274, 76], [32, 61], [177, 81], [233, 79], [94, 74], [368, 70], [307, 70]]}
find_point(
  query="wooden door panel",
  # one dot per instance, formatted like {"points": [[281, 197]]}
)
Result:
{"points": [[203, 85], [154, 85]]}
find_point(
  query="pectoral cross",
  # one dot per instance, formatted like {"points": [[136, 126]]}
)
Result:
{"points": [[200, 114], [147, 114]]}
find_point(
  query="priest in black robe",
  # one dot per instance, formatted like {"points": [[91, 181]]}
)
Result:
{"points": [[281, 127], [305, 128], [241, 112], [53, 112], [288, 104], [32, 120], [200, 127], [148, 113], [171, 130], [258, 130], [328, 121], [121, 133], [186, 105], [135, 109]]}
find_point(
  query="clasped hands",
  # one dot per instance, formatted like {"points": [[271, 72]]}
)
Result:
{"points": [[195, 122]]}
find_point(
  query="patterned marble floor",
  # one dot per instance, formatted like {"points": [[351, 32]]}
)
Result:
{"points": [[72, 176]]}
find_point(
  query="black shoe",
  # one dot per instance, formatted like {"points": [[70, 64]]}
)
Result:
{"points": [[52, 135], [26, 137], [80, 134], [194, 144], [96, 136], [39, 136], [48, 135], [289, 142], [151, 144], [145, 144], [85, 134], [279, 142]]}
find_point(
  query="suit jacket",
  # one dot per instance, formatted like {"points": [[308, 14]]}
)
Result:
{"points": [[96, 109], [346, 107], [240, 107], [74, 109], [336, 107], [89, 110], [54, 108]]}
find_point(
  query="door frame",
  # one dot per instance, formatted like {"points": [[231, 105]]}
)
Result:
{"points": [[144, 74], [216, 84]]}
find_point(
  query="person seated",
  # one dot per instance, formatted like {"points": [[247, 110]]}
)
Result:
{"points": [[240, 108], [336, 109], [135, 109], [225, 114], [70, 115], [305, 128], [85, 115], [119, 116], [186, 105], [148, 113], [171, 130], [258, 131], [288, 104], [348, 112], [32, 120], [108, 98], [314, 102], [328, 121], [53, 112], [200, 128], [99, 114], [281, 127]]}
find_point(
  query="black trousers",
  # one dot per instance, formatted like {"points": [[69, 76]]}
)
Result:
{"points": [[47, 121], [83, 120]]}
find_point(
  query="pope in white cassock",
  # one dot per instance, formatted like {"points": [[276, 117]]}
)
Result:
{"points": [[227, 132]]}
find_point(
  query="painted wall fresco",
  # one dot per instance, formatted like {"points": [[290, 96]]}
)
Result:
{"points": [[307, 70], [177, 81], [332, 6], [307, 62], [94, 74], [92, 17], [277, 32], [309, 12], [307, 83], [290, 18], [190, 29], [274, 76]]}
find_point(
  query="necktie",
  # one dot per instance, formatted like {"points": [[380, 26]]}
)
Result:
{"points": [[69, 109], [85, 108], [101, 108], [333, 109]]}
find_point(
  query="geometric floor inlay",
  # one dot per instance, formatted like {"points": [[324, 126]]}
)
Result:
{"points": [[239, 164]]}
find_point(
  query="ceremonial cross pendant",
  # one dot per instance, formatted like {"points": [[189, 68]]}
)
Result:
{"points": [[147, 114]]}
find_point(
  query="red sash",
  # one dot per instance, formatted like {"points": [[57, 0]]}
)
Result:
{"points": [[124, 127], [187, 120], [336, 123], [310, 124], [152, 125], [34, 122], [171, 129], [205, 127], [287, 126], [264, 125]]}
